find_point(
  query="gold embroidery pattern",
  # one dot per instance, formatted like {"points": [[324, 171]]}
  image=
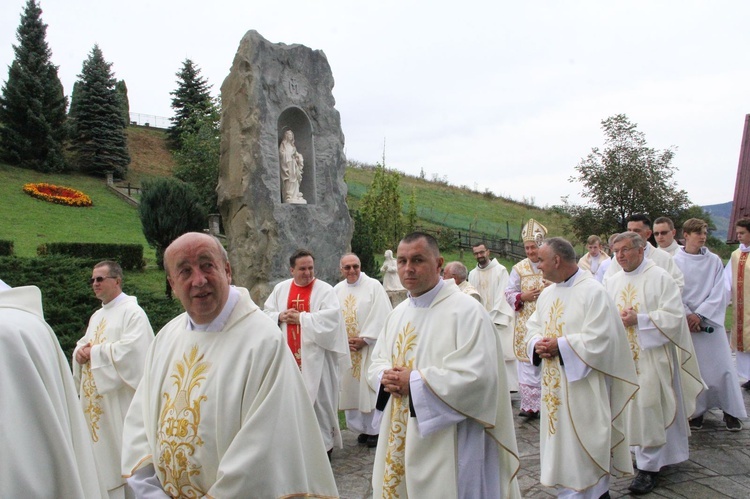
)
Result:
{"points": [[629, 298], [406, 342], [178, 427], [352, 331], [529, 281], [93, 409], [551, 377]]}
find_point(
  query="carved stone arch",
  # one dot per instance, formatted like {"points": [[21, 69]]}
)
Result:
{"points": [[296, 120]]}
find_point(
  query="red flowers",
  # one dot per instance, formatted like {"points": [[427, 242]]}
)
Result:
{"points": [[57, 194]]}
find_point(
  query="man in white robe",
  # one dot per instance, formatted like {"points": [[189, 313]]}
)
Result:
{"points": [[664, 233], [107, 367], [641, 225], [309, 315], [651, 311], [738, 285], [594, 256], [490, 278], [364, 305], [447, 422], [47, 448], [705, 300], [458, 272], [221, 410], [524, 287], [588, 378]]}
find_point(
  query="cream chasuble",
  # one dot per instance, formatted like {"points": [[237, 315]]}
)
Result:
{"points": [[453, 348], [365, 306], [224, 413], [660, 257], [583, 433], [491, 282], [739, 266], [660, 346], [119, 334], [324, 351], [46, 443]]}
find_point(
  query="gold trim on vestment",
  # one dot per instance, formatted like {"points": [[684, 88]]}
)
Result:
{"points": [[352, 331], [93, 409], [551, 376]]}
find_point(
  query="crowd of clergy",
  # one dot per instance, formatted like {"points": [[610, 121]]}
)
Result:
{"points": [[619, 358]]}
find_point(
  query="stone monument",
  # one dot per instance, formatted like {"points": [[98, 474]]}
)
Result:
{"points": [[281, 175]]}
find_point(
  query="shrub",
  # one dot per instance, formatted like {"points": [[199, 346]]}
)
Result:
{"points": [[129, 256], [6, 248]]}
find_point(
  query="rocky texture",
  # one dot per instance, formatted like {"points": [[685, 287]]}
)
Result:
{"points": [[272, 88]]}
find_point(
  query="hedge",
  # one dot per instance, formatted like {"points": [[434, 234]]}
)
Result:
{"points": [[129, 256], [6, 248]]}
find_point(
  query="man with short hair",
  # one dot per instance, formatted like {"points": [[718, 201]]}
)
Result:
{"points": [[490, 278], [458, 272], [525, 285], [594, 256], [734, 274], [221, 410], [651, 310], [705, 302], [46, 443], [309, 315], [107, 367], [365, 305], [664, 233], [588, 377], [437, 366], [641, 225]]}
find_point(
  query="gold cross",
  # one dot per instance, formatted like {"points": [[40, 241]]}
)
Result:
{"points": [[298, 303]]}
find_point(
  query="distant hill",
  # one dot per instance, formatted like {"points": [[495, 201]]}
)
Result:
{"points": [[720, 214]]}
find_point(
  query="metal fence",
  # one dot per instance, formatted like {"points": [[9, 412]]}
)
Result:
{"points": [[150, 120]]}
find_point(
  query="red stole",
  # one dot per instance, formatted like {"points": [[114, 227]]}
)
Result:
{"points": [[299, 299]]}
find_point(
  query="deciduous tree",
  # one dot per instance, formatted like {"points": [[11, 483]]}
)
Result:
{"points": [[381, 208]]}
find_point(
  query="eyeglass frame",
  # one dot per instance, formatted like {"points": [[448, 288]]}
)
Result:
{"points": [[100, 278], [351, 267]]}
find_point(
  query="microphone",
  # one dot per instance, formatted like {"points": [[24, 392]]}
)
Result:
{"points": [[707, 329]]}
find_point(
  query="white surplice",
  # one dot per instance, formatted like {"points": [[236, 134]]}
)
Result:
{"points": [[660, 257], [119, 334], [461, 443], [491, 282], [223, 412], [324, 351], [46, 444], [365, 305]]}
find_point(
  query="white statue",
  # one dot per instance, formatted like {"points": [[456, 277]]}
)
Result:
{"points": [[391, 282], [292, 165]]}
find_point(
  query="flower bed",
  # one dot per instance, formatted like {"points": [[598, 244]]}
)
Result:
{"points": [[57, 194]]}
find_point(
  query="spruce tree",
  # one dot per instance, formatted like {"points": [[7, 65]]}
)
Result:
{"points": [[192, 96], [99, 138], [122, 93], [33, 104]]}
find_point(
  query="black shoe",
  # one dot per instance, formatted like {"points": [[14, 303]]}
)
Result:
{"points": [[372, 441], [644, 482], [529, 414], [362, 438], [696, 423], [746, 385], [732, 423], [605, 496]]}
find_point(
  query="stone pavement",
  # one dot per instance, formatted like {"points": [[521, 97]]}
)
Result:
{"points": [[719, 464]]}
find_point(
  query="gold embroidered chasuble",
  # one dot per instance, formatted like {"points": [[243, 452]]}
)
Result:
{"points": [[651, 290], [740, 265], [120, 335], [582, 429], [530, 280], [225, 413], [365, 307], [453, 346]]}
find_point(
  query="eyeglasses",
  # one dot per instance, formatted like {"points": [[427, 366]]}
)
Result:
{"points": [[623, 250], [662, 233], [100, 279], [350, 267]]}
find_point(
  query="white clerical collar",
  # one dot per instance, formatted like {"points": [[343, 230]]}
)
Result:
{"points": [[639, 269], [744, 249], [221, 320], [115, 300], [356, 283], [425, 300], [568, 283]]}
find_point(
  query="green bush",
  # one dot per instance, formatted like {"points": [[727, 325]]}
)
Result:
{"points": [[129, 256], [6, 248]]}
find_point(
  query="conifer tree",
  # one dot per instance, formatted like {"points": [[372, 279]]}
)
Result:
{"points": [[99, 137], [192, 96], [122, 93], [33, 104]]}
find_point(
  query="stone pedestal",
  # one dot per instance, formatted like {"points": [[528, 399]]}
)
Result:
{"points": [[272, 88]]}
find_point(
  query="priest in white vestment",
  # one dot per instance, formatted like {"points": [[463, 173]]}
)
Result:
{"points": [[365, 305], [447, 425], [651, 310], [664, 234], [221, 410], [309, 315], [458, 273], [738, 284], [525, 285], [588, 378], [490, 278], [107, 367], [47, 449], [705, 300]]}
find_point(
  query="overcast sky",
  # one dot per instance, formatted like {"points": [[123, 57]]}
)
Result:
{"points": [[492, 94]]}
